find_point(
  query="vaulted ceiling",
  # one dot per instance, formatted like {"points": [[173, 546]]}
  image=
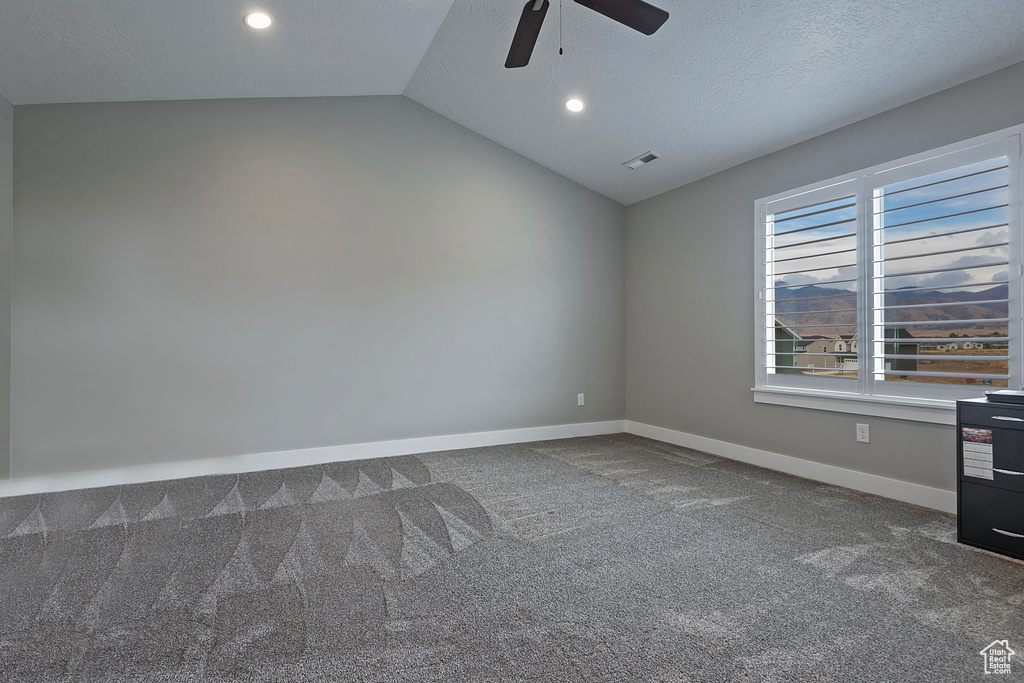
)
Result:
{"points": [[720, 83]]}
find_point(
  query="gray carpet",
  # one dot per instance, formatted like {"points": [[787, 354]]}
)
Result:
{"points": [[610, 558]]}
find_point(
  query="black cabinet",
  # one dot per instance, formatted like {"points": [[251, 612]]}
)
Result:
{"points": [[990, 476]]}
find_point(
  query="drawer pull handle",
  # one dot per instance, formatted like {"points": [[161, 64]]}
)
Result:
{"points": [[1008, 418], [1016, 474], [1007, 533]]}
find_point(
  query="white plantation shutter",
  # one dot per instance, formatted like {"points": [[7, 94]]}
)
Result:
{"points": [[902, 281], [941, 258], [810, 288]]}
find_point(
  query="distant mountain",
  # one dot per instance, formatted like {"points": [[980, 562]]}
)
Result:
{"points": [[928, 296], [906, 295], [803, 314]]}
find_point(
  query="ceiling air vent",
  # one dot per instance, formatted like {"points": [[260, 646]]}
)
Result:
{"points": [[645, 158]]}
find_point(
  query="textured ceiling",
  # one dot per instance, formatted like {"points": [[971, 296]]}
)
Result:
{"points": [[722, 82], [120, 50]]}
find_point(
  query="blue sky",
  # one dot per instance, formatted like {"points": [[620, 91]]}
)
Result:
{"points": [[912, 223], [911, 219]]}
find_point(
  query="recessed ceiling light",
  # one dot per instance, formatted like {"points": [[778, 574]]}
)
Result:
{"points": [[258, 20], [574, 105]]}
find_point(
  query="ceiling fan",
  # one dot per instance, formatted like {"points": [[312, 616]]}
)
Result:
{"points": [[635, 14]]}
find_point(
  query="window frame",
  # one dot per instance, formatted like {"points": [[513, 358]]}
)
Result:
{"points": [[919, 402]]}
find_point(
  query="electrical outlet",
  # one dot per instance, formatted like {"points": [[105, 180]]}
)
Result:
{"points": [[579, 399], [862, 433]]}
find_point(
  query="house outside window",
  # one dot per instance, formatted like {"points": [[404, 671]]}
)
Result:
{"points": [[920, 259]]}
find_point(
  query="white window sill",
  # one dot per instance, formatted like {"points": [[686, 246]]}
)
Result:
{"points": [[917, 409]]}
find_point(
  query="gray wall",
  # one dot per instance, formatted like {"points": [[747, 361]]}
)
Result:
{"points": [[690, 288], [208, 278], [6, 255]]}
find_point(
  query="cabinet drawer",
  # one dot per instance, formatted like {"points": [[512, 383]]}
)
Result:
{"points": [[1007, 458], [991, 518], [992, 415]]}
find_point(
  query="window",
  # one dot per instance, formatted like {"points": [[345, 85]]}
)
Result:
{"points": [[899, 284]]}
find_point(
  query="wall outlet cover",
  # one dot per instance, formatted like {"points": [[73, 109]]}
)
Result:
{"points": [[863, 435]]}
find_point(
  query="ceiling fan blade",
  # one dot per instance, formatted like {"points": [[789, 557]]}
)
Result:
{"points": [[526, 35], [635, 14]]}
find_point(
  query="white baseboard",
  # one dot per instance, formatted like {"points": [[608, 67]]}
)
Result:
{"points": [[916, 494], [255, 462]]}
